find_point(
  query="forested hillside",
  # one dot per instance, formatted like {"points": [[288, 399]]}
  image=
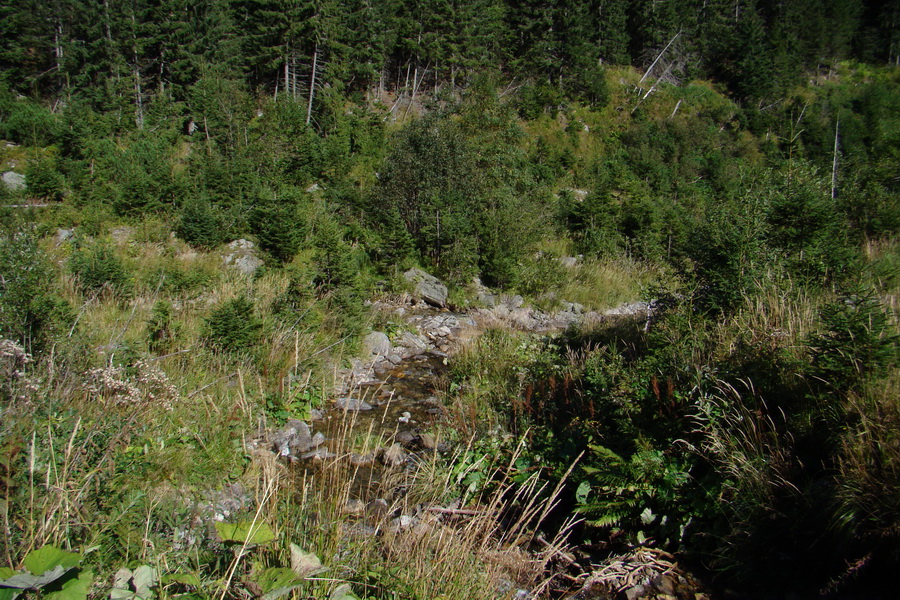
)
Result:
{"points": [[664, 363]]}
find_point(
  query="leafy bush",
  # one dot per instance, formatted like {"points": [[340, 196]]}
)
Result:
{"points": [[29, 311], [162, 331], [177, 278], [643, 493], [857, 342], [589, 84], [98, 267], [233, 326], [200, 224], [280, 227], [44, 179], [725, 252], [27, 122], [541, 275], [335, 267]]}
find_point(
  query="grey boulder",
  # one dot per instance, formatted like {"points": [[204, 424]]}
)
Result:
{"points": [[14, 182], [428, 287]]}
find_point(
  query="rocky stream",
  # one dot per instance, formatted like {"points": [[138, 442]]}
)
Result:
{"points": [[388, 396]]}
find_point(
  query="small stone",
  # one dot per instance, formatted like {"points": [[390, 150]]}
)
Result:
{"points": [[487, 299], [410, 340], [241, 244], [393, 456], [421, 529], [361, 530], [664, 583], [352, 404], [354, 506], [635, 592], [394, 358], [376, 344], [121, 234], [405, 437], [64, 235], [427, 441], [318, 454], [294, 437], [428, 287], [362, 460], [377, 508], [403, 523]]}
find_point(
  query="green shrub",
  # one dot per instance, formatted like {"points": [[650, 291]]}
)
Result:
{"points": [[176, 278], [98, 267], [233, 326], [26, 122], [201, 225], [44, 180], [644, 493], [855, 344], [162, 330], [541, 275], [280, 228], [29, 310], [335, 267]]}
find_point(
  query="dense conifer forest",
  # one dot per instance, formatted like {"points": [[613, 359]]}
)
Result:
{"points": [[659, 359]]}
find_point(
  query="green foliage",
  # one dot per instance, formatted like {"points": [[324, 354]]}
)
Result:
{"points": [[200, 224], [52, 571], [280, 225], [162, 331], [44, 179], [726, 252], [589, 85], [856, 343], [134, 585], [335, 267], [298, 405], [541, 275], [644, 493], [536, 98], [97, 267], [26, 122], [245, 533], [233, 326], [29, 309]]}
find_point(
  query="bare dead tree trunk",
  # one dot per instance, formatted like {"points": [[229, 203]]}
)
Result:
{"points": [[677, 106], [312, 84], [58, 53], [659, 56], [652, 88], [834, 162], [136, 72], [294, 85]]}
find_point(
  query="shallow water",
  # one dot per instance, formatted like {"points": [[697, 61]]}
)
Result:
{"points": [[403, 400]]}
